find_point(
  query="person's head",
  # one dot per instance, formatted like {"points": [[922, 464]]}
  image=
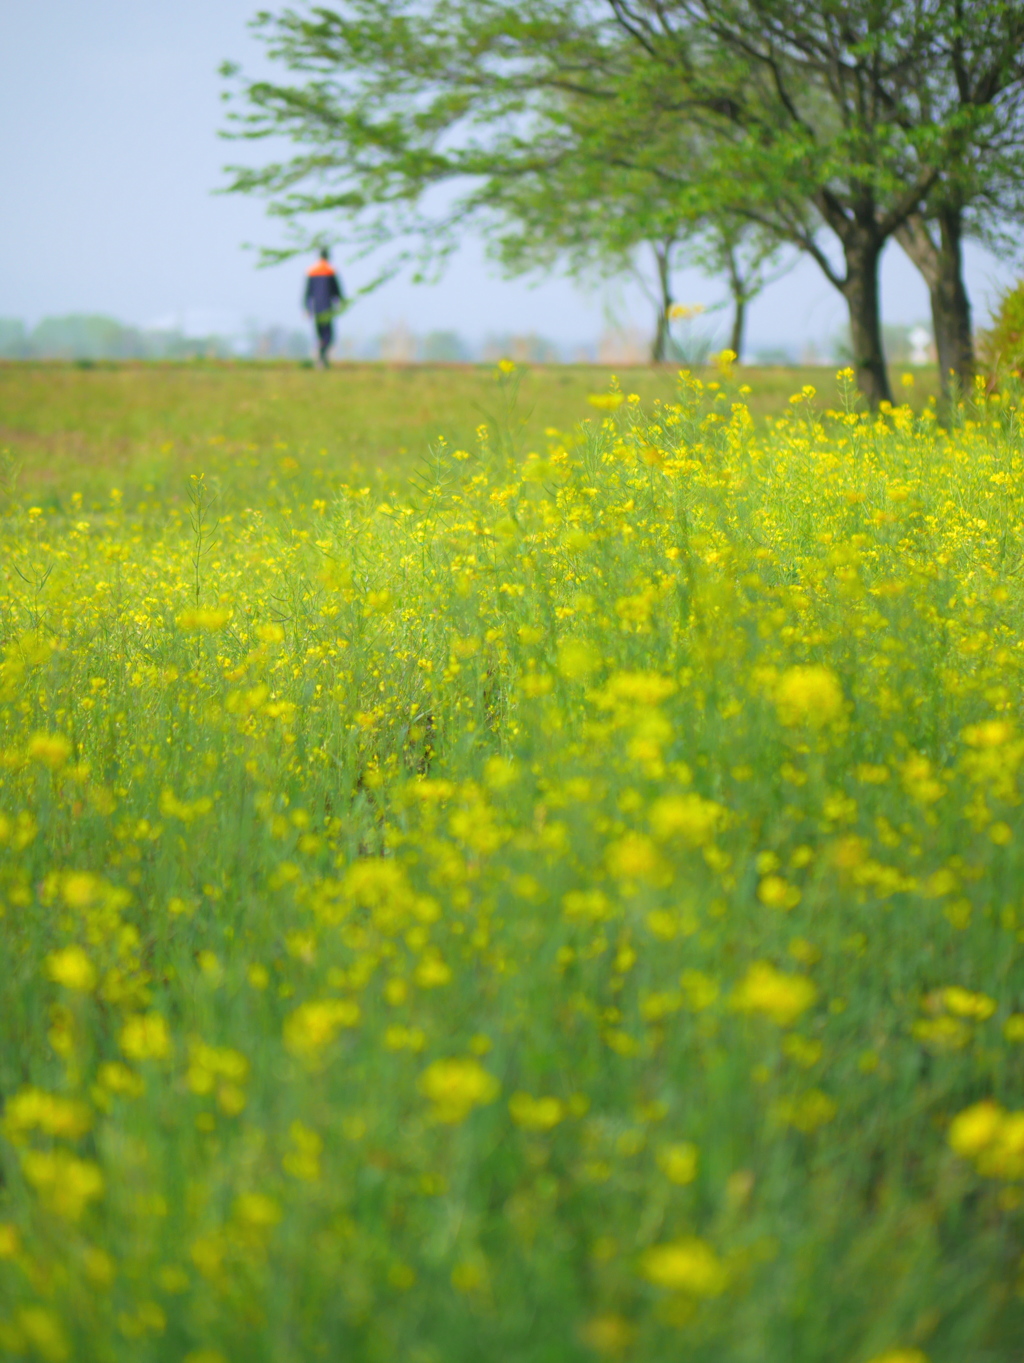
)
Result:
{"points": [[324, 253]]}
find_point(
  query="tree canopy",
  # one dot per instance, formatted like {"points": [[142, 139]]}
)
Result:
{"points": [[567, 126]]}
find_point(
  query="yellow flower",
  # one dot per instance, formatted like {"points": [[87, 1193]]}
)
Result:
{"points": [[808, 695], [679, 1162], [52, 750], [972, 1130], [119, 1078], [80, 889], [456, 1087], [900, 1356], [65, 1183], [689, 817], [577, 659], [535, 1114], [964, 1004], [72, 969], [432, 972], [314, 1025], [689, 1265], [257, 1209], [207, 620], [32, 1109], [806, 1112], [941, 1034], [397, 1038], [633, 856], [777, 893], [635, 688], [185, 810], [767, 990], [606, 402], [146, 1037]]}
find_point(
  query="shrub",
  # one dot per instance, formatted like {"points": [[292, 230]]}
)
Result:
{"points": [[1001, 348]]}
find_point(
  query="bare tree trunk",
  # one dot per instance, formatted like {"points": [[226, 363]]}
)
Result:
{"points": [[738, 289], [863, 251], [663, 262], [941, 265], [951, 304], [739, 322]]}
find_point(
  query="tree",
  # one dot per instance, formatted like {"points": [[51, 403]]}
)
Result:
{"points": [[980, 49], [586, 209], [803, 114], [830, 125]]}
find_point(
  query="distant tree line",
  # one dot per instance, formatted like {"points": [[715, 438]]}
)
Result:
{"points": [[723, 133], [89, 336]]}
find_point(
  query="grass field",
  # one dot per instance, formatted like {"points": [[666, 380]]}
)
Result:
{"points": [[557, 896], [69, 426]]}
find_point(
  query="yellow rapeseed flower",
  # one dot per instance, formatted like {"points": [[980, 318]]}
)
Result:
{"points": [[34, 1110], [205, 619], [966, 1004], [633, 856], [455, 1087], [678, 1162], [72, 968], [777, 893], [688, 816], [689, 1265], [146, 1037], [767, 990], [535, 1114], [314, 1025], [577, 659], [65, 1183], [975, 1128], [52, 750], [808, 696]]}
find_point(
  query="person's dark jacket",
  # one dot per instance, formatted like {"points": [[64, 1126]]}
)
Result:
{"points": [[323, 292]]}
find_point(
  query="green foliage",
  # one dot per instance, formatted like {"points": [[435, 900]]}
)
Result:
{"points": [[1002, 345]]}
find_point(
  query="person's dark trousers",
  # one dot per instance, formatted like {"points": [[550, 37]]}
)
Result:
{"points": [[325, 332]]}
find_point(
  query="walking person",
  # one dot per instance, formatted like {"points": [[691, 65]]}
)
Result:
{"points": [[323, 299]]}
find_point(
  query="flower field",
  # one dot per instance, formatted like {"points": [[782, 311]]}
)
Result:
{"points": [[566, 904]]}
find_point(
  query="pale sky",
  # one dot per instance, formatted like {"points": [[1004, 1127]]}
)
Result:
{"points": [[110, 159]]}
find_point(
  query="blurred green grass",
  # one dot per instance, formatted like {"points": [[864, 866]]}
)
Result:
{"points": [[64, 423]]}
